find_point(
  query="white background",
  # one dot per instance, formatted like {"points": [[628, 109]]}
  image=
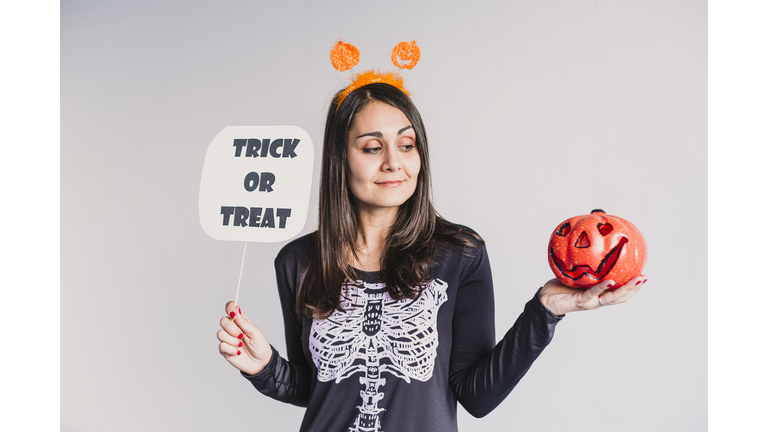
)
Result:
{"points": [[535, 112], [142, 287]]}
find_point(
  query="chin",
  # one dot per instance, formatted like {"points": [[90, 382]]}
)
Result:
{"points": [[384, 202]]}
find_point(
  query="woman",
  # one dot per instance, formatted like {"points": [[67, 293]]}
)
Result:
{"points": [[388, 308]]}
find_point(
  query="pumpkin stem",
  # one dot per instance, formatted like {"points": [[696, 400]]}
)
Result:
{"points": [[597, 211]]}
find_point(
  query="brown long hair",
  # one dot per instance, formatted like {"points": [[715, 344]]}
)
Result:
{"points": [[410, 248]]}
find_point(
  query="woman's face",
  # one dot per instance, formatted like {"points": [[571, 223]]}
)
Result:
{"points": [[382, 160]]}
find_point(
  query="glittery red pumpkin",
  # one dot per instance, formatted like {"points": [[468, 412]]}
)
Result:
{"points": [[585, 250]]}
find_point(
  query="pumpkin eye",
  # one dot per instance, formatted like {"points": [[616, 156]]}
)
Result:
{"points": [[604, 228], [564, 229]]}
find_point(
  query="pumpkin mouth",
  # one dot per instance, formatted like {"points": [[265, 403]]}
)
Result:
{"points": [[577, 271]]}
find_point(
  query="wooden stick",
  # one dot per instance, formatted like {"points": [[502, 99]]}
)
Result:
{"points": [[239, 278]]}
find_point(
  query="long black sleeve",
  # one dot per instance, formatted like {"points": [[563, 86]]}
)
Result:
{"points": [[483, 372], [482, 386]]}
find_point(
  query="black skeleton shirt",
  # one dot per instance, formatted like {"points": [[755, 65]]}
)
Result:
{"points": [[387, 365]]}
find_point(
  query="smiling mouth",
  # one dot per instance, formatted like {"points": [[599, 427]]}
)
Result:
{"points": [[606, 265], [392, 183]]}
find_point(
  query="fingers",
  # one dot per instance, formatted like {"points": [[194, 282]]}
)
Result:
{"points": [[626, 291], [226, 338], [231, 309], [592, 297], [560, 299], [230, 335], [230, 326], [236, 323], [227, 350]]}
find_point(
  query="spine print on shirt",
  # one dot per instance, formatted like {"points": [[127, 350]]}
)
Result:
{"points": [[375, 328]]}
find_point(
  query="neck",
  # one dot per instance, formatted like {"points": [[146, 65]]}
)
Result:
{"points": [[373, 228]]}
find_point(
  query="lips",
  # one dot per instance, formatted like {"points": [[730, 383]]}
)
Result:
{"points": [[391, 183], [605, 266]]}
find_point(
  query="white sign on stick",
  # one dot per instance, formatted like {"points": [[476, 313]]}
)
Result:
{"points": [[256, 183]]}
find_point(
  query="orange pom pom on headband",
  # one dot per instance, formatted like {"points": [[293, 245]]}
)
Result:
{"points": [[345, 56]]}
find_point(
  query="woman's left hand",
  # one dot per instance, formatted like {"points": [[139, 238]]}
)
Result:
{"points": [[560, 299]]}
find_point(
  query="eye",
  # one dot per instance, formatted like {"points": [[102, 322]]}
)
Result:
{"points": [[372, 150], [407, 147], [564, 229], [604, 228]]}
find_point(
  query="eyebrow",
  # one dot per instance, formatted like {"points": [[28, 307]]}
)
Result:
{"points": [[379, 135]]}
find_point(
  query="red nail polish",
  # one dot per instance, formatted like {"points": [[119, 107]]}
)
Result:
{"points": [[639, 282], [239, 311], [645, 281], [240, 344], [238, 353], [610, 286], [241, 336], [232, 314]]}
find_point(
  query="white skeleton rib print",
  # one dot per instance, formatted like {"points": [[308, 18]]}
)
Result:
{"points": [[375, 327]]}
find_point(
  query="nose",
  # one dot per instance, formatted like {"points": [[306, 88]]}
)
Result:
{"points": [[583, 241], [391, 161]]}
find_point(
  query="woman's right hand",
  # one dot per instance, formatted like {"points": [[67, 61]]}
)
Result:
{"points": [[243, 344]]}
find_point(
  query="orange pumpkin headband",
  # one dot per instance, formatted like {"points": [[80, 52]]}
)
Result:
{"points": [[345, 56]]}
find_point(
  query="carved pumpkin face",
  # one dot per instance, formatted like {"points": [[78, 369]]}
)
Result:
{"points": [[405, 55], [585, 250]]}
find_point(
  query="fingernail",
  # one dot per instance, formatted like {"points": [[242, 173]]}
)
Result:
{"points": [[645, 281], [232, 314], [239, 311], [610, 286], [238, 353], [639, 282], [240, 344], [241, 336]]}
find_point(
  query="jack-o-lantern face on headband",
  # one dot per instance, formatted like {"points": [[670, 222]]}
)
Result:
{"points": [[585, 250], [345, 56]]}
